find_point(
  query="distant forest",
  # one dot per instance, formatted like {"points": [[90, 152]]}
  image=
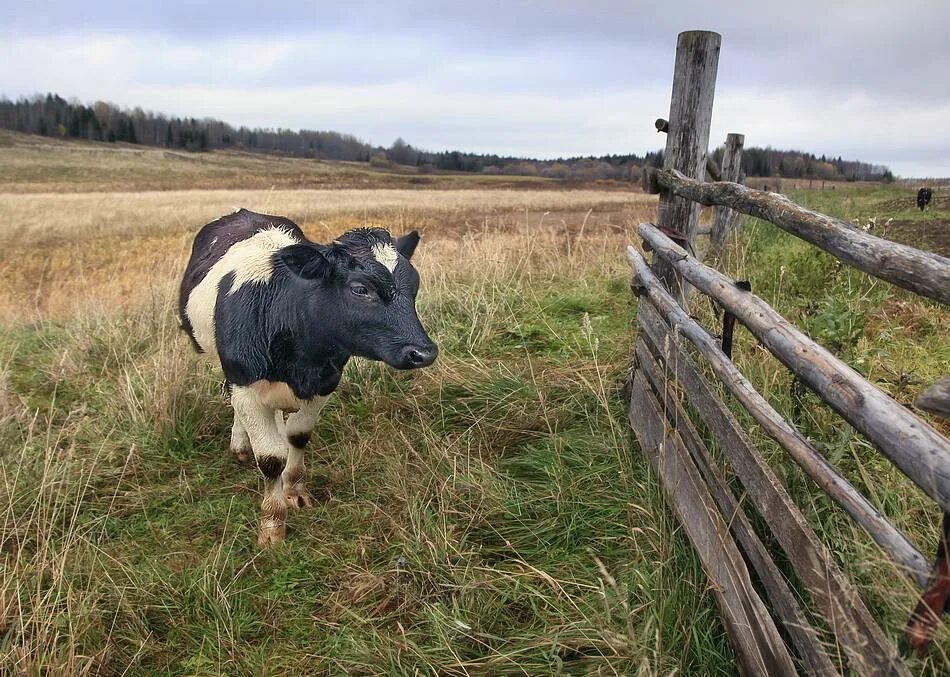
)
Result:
{"points": [[52, 115]]}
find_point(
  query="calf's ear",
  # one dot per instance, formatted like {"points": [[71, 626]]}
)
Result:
{"points": [[406, 244], [309, 261]]}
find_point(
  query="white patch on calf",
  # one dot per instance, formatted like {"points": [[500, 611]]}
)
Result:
{"points": [[250, 261], [276, 395], [387, 255], [305, 418]]}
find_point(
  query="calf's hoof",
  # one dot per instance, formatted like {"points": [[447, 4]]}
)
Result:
{"points": [[298, 496], [242, 454], [271, 533]]}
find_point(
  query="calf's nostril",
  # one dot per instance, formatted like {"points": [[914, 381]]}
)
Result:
{"points": [[414, 356]]}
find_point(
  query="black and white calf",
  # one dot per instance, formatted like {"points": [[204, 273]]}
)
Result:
{"points": [[283, 315]]}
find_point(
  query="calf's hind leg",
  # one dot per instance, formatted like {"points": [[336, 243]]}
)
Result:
{"points": [[299, 426], [270, 452]]}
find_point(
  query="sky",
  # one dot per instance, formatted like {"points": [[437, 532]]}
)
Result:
{"points": [[865, 80]]}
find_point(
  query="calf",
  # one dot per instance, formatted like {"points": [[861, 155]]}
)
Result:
{"points": [[924, 195], [282, 316]]}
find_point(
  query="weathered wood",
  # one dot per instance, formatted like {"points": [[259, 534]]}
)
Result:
{"points": [[758, 646], [836, 600], [918, 450], [924, 273], [786, 606], [694, 85], [725, 220], [936, 398], [838, 488]]}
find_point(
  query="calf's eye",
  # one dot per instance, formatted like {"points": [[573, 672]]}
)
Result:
{"points": [[359, 290]]}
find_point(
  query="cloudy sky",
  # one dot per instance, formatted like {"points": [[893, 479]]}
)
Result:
{"points": [[866, 80]]}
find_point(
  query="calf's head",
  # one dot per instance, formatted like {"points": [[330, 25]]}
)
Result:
{"points": [[360, 292]]}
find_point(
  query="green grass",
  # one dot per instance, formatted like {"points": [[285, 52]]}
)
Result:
{"points": [[490, 515], [893, 338], [887, 210]]}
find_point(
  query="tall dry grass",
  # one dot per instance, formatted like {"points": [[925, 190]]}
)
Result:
{"points": [[102, 251], [482, 511]]}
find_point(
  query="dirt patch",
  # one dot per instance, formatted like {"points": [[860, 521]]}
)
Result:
{"points": [[932, 235]]}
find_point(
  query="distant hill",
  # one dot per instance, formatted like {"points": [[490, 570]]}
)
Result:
{"points": [[52, 115], [30, 163]]}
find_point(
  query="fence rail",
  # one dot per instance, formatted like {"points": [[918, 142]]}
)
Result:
{"points": [[773, 424], [924, 273], [918, 450], [675, 412]]}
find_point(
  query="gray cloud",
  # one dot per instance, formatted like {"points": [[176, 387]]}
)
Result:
{"points": [[532, 78]]}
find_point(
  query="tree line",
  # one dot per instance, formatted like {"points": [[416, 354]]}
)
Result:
{"points": [[795, 164], [52, 115]]}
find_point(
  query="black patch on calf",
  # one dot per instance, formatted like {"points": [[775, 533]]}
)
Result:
{"points": [[299, 440], [406, 245], [260, 337], [213, 241], [271, 466], [283, 347], [307, 260]]}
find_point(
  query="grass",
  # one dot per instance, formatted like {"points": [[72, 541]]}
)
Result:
{"points": [[36, 164], [489, 515], [893, 338], [888, 210]]}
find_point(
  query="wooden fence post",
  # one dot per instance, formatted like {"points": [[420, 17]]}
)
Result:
{"points": [[726, 220], [694, 84]]}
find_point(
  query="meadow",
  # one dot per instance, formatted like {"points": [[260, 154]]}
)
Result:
{"points": [[488, 515]]}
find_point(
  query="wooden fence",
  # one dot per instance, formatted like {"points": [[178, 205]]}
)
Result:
{"points": [[675, 411]]}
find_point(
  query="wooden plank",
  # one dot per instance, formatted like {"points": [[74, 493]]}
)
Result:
{"points": [[755, 639], [924, 273], [694, 85], [725, 219], [918, 450], [867, 649], [785, 605], [936, 398], [812, 462], [837, 487]]}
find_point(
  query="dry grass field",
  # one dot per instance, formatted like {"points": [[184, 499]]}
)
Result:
{"points": [[111, 248], [35, 164], [488, 515]]}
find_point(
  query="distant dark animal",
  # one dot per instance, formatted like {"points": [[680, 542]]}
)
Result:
{"points": [[924, 196], [283, 315]]}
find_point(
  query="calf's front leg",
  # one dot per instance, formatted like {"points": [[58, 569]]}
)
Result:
{"points": [[299, 426], [240, 443], [270, 453]]}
